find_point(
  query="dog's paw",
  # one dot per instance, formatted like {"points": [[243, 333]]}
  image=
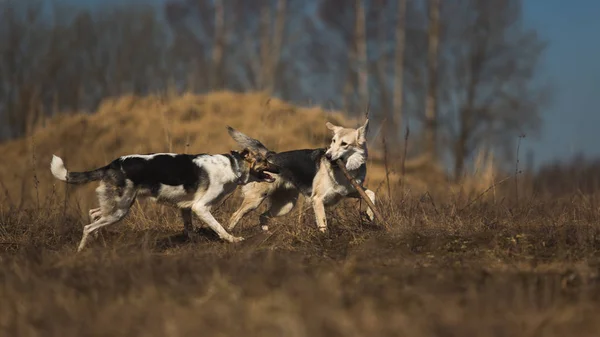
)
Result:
{"points": [[265, 228], [95, 215], [367, 216], [323, 229], [354, 162], [190, 234], [234, 239]]}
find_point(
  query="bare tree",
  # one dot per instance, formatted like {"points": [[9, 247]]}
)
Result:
{"points": [[432, 60], [391, 96], [489, 67], [473, 88], [277, 45], [191, 44], [271, 37], [398, 99], [360, 40], [68, 61], [349, 25], [218, 46], [265, 44], [27, 57], [380, 66]]}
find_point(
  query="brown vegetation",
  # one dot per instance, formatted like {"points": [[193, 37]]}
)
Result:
{"points": [[455, 265], [489, 270]]}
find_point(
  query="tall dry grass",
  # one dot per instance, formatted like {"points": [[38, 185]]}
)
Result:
{"points": [[487, 270]]}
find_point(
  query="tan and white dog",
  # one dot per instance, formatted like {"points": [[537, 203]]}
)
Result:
{"points": [[312, 172]]}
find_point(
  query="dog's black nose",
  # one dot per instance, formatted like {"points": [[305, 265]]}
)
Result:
{"points": [[328, 156]]}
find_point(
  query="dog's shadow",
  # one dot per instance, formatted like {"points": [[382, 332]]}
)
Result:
{"points": [[200, 235], [203, 235]]}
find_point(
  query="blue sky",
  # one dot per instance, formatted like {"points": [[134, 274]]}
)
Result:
{"points": [[572, 64]]}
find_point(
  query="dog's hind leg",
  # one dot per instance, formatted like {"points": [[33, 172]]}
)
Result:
{"points": [[103, 221], [95, 213], [280, 203], [188, 226], [371, 196], [114, 208]]}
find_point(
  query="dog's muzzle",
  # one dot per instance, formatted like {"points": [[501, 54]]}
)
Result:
{"points": [[328, 155], [265, 176]]}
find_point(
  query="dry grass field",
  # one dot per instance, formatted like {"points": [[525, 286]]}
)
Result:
{"points": [[446, 267]]}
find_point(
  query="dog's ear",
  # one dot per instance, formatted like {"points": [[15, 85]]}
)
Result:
{"points": [[248, 155], [247, 143], [362, 132], [332, 127]]}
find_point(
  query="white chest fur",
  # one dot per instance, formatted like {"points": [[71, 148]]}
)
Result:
{"points": [[331, 185]]}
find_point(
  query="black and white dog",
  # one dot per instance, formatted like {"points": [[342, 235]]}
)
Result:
{"points": [[190, 182], [311, 172]]}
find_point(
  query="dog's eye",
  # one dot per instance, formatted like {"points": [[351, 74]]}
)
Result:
{"points": [[344, 143]]}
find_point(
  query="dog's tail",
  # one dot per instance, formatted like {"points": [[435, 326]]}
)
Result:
{"points": [[57, 166]]}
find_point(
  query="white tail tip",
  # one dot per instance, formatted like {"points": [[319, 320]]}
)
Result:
{"points": [[58, 168]]}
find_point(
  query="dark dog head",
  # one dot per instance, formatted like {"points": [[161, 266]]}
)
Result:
{"points": [[259, 166], [256, 157]]}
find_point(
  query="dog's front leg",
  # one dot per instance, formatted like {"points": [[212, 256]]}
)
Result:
{"points": [[249, 204], [203, 212], [188, 226], [319, 209]]}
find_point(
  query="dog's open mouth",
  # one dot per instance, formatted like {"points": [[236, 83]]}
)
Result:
{"points": [[265, 176]]}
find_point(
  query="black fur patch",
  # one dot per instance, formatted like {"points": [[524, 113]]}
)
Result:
{"points": [[83, 177], [299, 166], [233, 157], [164, 169]]}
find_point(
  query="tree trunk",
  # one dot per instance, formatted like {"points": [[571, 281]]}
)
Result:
{"points": [[265, 44], [218, 47], [360, 40], [431, 102], [465, 124], [398, 99], [459, 155], [347, 93], [467, 120], [276, 44], [380, 75]]}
